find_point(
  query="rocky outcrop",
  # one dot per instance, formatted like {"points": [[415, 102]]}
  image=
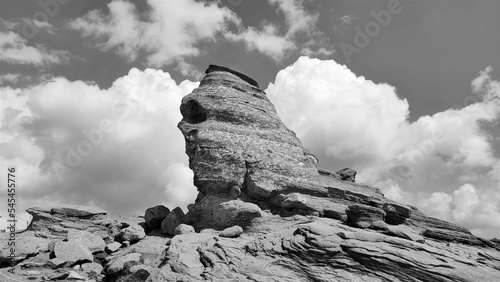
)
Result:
{"points": [[55, 222], [253, 172], [309, 248], [246, 161], [240, 151]]}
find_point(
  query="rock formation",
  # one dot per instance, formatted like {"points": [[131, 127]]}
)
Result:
{"points": [[302, 222], [265, 212]]}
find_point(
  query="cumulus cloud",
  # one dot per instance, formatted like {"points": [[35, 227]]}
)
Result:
{"points": [[171, 31], [444, 163], [15, 50], [118, 148]]}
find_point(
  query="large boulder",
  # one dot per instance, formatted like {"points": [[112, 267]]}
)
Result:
{"points": [[93, 242], [72, 251], [219, 212], [155, 215], [173, 219], [231, 232]]}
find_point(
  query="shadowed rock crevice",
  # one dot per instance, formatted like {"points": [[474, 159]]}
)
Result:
{"points": [[193, 112]]}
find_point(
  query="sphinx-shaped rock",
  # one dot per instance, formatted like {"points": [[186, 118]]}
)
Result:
{"points": [[239, 150], [246, 160]]}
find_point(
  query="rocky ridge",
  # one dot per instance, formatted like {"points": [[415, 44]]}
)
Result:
{"points": [[265, 212]]}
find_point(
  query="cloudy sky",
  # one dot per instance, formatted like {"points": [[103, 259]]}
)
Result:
{"points": [[405, 92]]}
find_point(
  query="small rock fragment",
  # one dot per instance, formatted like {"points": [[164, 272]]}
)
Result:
{"points": [[133, 233], [73, 275], [113, 247], [347, 174], [55, 263], [231, 232], [93, 270], [120, 263], [183, 229]]}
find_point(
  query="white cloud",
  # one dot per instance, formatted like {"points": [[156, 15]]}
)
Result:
{"points": [[438, 204], [171, 31], [297, 18], [267, 40], [349, 121], [9, 78], [478, 210], [15, 50], [188, 69], [53, 133]]}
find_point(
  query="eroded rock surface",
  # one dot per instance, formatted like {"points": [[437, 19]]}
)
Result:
{"points": [[308, 248]]}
